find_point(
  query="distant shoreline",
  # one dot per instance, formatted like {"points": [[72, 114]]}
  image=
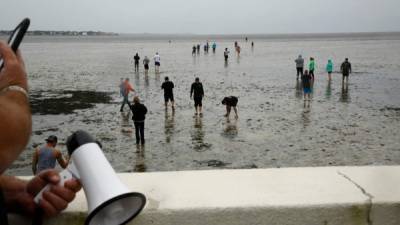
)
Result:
{"points": [[61, 33]]}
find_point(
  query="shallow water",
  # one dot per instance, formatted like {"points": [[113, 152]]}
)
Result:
{"points": [[359, 125]]}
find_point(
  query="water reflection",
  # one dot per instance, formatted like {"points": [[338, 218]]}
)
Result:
{"points": [[226, 64], [140, 164], [230, 128], [299, 89], [169, 125], [198, 134], [137, 78], [238, 59], [126, 127], [328, 92], [305, 117], [146, 80], [345, 96]]}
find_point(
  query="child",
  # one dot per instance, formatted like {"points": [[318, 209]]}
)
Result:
{"points": [[329, 68], [306, 79]]}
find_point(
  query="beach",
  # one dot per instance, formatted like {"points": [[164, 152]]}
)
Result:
{"points": [[74, 85]]}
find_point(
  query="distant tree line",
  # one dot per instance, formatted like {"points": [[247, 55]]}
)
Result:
{"points": [[62, 33]]}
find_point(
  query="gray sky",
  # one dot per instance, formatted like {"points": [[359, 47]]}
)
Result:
{"points": [[205, 16]]}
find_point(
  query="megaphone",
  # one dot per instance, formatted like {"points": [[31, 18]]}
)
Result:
{"points": [[109, 201]]}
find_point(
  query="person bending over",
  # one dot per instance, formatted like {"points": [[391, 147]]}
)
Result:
{"points": [[230, 102]]}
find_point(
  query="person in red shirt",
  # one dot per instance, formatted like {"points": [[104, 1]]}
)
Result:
{"points": [[127, 88]]}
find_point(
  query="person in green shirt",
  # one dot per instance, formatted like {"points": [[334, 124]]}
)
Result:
{"points": [[311, 67], [329, 68]]}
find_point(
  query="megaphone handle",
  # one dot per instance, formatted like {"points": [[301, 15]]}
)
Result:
{"points": [[64, 176]]}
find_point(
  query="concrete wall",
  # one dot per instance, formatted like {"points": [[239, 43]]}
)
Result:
{"points": [[289, 196]]}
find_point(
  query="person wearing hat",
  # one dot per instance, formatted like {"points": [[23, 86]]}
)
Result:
{"points": [[45, 157]]}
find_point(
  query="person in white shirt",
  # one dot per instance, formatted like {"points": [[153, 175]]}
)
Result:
{"points": [[157, 62]]}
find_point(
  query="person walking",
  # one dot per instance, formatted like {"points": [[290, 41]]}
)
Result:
{"points": [[214, 47], [345, 68], [299, 66], [311, 67], [194, 50], [226, 54], [306, 80], [157, 62], [136, 58], [329, 69], [139, 112], [198, 49], [127, 89], [230, 102], [197, 92], [45, 157], [168, 87], [146, 62]]}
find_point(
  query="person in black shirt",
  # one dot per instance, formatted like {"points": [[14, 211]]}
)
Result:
{"points": [[139, 115], [168, 87], [136, 58], [197, 92], [230, 102], [346, 70]]}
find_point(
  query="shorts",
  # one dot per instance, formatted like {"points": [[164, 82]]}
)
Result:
{"points": [[233, 103], [307, 90], [136, 63], [146, 66], [345, 75], [158, 64], [198, 101], [169, 98]]}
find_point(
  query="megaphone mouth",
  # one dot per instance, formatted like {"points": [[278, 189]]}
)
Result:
{"points": [[131, 203]]}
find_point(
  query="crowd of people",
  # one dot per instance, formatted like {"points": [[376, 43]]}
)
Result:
{"points": [[307, 76]]}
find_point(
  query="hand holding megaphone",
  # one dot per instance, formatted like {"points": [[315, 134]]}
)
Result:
{"points": [[109, 201]]}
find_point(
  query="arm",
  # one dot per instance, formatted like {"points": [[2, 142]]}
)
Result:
{"points": [[191, 91], [35, 161], [63, 163], [351, 71], [15, 125], [202, 91]]}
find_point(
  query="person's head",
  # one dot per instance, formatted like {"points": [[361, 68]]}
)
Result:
{"points": [[305, 72], [156, 53], [197, 79], [329, 60], [224, 101], [311, 58], [127, 79], [300, 56], [347, 59], [137, 53], [52, 140], [136, 100], [226, 49], [166, 79]]}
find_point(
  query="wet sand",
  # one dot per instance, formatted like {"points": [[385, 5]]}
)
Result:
{"points": [[74, 85]]}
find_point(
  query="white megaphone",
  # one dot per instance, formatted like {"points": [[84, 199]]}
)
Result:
{"points": [[109, 201]]}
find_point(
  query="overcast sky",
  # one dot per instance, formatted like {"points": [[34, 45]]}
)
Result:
{"points": [[205, 16]]}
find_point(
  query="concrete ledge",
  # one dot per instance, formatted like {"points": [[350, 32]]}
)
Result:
{"points": [[289, 196]]}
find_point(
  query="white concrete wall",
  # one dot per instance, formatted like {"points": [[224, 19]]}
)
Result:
{"points": [[289, 196]]}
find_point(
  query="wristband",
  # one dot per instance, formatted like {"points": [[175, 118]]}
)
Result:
{"points": [[15, 88]]}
